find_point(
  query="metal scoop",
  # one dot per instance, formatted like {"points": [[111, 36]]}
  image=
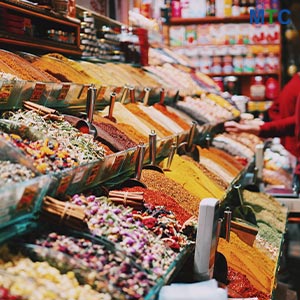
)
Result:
{"points": [[146, 95], [242, 211], [86, 126], [188, 148], [112, 102], [152, 146], [131, 182], [162, 96], [171, 156], [253, 186], [132, 94]]}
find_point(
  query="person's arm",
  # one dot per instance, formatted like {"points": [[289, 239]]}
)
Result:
{"points": [[273, 113], [232, 126], [278, 128]]}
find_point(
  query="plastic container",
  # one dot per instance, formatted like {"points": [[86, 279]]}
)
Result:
{"points": [[10, 93]]}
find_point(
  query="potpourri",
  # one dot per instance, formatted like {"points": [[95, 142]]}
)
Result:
{"points": [[13, 172], [125, 281]]}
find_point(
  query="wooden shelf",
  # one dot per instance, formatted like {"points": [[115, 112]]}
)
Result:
{"points": [[188, 21], [244, 74], [43, 45], [43, 19], [32, 10], [218, 45]]}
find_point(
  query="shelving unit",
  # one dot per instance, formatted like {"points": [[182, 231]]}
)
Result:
{"points": [[244, 78], [40, 20], [233, 19]]}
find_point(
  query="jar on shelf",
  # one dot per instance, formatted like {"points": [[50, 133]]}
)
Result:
{"points": [[260, 63], [205, 63], [272, 88], [238, 64], [216, 66], [227, 64], [249, 63], [231, 85], [257, 88], [272, 63]]}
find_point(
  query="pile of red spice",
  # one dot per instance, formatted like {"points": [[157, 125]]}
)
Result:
{"points": [[157, 198], [240, 284]]}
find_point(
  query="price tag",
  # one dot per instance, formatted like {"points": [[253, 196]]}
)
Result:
{"points": [[93, 174], [83, 92], [5, 92], [38, 91], [79, 174], [27, 199], [63, 92], [63, 185], [101, 93]]}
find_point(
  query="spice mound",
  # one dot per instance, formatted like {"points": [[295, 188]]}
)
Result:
{"points": [[157, 198], [248, 260], [159, 182], [240, 284]]}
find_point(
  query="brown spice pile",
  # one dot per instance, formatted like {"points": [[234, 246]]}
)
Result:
{"points": [[159, 182], [23, 69], [123, 141], [130, 131]]}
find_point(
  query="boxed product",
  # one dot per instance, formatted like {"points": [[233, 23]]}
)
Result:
{"points": [[190, 35], [203, 34], [177, 35]]}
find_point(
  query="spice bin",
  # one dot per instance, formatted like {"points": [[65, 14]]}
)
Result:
{"points": [[20, 200], [10, 93]]}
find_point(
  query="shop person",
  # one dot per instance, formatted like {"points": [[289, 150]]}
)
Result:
{"points": [[280, 119]]}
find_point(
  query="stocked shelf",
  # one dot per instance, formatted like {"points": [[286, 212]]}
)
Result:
{"points": [[244, 74], [38, 44], [29, 28], [212, 19]]}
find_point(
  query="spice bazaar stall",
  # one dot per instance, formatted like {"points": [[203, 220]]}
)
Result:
{"points": [[103, 169]]}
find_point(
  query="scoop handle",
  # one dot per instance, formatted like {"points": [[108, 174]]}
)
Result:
{"points": [[90, 103], [112, 105], [141, 148], [191, 136]]}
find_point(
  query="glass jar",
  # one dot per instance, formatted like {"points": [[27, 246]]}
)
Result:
{"points": [[257, 89], [272, 88]]}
